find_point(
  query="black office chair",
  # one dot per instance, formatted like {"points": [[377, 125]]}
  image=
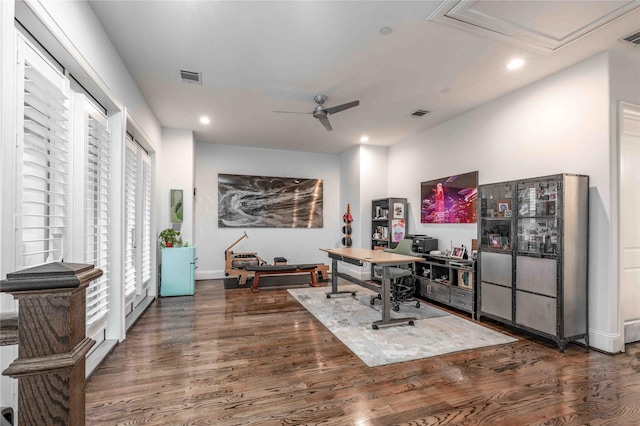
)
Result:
{"points": [[403, 283]]}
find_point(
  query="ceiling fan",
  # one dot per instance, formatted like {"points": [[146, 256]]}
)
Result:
{"points": [[322, 113]]}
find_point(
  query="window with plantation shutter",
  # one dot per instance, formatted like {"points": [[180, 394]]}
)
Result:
{"points": [[43, 160], [147, 241], [130, 189], [97, 204]]}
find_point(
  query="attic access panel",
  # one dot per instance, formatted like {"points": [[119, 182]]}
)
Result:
{"points": [[269, 202], [543, 26]]}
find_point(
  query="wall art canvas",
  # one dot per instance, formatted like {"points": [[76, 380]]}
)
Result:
{"points": [[451, 199], [269, 202], [176, 201]]}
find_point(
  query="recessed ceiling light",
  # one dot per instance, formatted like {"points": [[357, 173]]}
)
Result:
{"points": [[515, 64], [364, 139], [205, 120], [385, 31]]}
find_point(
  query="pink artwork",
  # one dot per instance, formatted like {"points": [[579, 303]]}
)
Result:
{"points": [[450, 200]]}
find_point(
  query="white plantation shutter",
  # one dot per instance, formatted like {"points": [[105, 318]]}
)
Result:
{"points": [[43, 160], [97, 204], [147, 242], [130, 186]]}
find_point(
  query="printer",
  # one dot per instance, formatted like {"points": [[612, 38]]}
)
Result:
{"points": [[422, 243]]}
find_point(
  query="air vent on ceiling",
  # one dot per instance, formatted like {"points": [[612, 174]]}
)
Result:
{"points": [[419, 113], [191, 77], [632, 39]]}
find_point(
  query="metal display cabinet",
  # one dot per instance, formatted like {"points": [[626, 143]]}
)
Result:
{"points": [[542, 289], [388, 223], [495, 251], [447, 281]]}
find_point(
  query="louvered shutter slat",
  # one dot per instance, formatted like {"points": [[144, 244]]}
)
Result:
{"points": [[97, 221], [130, 219], [44, 163]]}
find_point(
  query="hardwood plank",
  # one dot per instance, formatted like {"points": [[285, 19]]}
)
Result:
{"points": [[237, 358]]}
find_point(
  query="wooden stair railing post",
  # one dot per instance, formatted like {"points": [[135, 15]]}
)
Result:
{"points": [[52, 344]]}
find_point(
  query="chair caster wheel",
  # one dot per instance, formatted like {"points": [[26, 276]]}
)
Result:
{"points": [[372, 301], [328, 296], [375, 327], [418, 305], [411, 323], [353, 294], [396, 308]]}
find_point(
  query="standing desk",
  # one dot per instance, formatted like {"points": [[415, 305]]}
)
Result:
{"points": [[360, 256]]}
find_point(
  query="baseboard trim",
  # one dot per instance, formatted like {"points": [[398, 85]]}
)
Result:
{"points": [[98, 355], [606, 342], [133, 317], [631, 331]]}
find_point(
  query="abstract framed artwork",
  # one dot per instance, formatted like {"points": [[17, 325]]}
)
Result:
{"points": [[176, 200], [246, 201]]}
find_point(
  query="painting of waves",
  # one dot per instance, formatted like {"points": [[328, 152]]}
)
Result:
{"points": [[269, 202]]}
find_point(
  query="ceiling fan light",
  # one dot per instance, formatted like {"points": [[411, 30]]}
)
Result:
{"points": [[364, 139], [205, 120]]}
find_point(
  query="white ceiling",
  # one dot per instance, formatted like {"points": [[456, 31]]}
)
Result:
{"points": [[264, 56]]}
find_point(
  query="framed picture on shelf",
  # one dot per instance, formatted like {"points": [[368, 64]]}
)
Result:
{"points": [[457, 252], [503, 206], [507, 213], [494, 240], [465, 279]]}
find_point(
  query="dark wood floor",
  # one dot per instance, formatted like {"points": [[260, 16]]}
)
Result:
{"points": [[237, 358]]}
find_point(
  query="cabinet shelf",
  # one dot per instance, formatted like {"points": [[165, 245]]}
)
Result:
{"points": [[388, 224], [447, 281]]}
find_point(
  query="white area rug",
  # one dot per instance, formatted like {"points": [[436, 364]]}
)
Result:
{"points": [[435, 331]]}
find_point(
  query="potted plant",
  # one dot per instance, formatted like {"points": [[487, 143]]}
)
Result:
{"points": [[170, 237]]}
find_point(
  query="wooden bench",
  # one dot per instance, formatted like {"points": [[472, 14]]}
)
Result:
{"points": [[259, 271]]}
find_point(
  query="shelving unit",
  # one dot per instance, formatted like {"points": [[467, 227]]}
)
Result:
{"points": [[448, 281], [388, 223], [533, 270]]}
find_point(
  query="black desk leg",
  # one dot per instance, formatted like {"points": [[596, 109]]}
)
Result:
{"points": [[386, 308], [334, 281]]}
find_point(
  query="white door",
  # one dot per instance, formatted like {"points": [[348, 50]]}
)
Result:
{"points": [[138, 241], [630, 220]]}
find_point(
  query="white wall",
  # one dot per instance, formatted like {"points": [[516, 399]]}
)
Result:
{"points": [[76, 20], [373, 185], [557, 125], [296, 244], [350, 190], [175, 170], [624, 82]]}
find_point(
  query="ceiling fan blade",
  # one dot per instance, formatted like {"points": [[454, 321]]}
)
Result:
{"points": [[325, 122], [293, 112], [342, 107]]}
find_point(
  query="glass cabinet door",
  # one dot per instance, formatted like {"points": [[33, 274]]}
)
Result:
{"points": [[537, 216], [496, 216]]}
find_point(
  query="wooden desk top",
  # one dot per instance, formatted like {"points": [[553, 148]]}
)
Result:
{"points": [[372, 256]]}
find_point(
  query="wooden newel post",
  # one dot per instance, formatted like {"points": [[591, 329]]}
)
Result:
{"points": [[52, 344]]}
